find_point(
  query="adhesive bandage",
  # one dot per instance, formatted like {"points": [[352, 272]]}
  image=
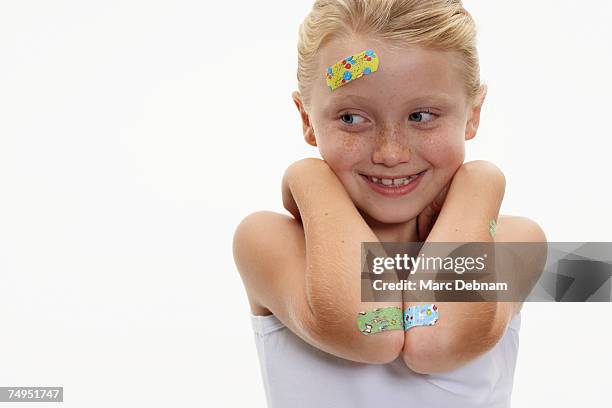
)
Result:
{"points": [[379, 320], [351, 68], [420, 315], [492, 228]]}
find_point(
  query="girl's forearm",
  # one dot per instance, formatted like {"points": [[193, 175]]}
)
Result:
{"points": [[464, 330], [334, 230]]}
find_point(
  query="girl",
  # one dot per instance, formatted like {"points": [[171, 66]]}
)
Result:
{"points": [[393, 149]]}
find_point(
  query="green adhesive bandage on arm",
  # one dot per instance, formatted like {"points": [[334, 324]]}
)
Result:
{"points": [[380, 320], [492, 228]]}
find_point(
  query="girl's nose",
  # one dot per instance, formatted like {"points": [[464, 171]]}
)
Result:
{"points": [[391, 150]]}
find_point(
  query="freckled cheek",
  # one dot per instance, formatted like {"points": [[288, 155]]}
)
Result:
{"points": [[343, 152]]}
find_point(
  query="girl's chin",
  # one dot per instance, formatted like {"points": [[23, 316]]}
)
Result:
{"points": [[387, 216], [392, 220]]}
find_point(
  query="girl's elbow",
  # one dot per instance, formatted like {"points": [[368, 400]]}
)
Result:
{"points": [[422, 353], [390, 348], [426, 353], [346, 341], [379, 348]]}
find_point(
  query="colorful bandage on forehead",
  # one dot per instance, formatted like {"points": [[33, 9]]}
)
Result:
{"points": [[379, 320], [351, 68], [420, 315]]}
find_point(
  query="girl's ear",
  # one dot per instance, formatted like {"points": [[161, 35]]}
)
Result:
{"points": [[474, 114], [307, 128]]}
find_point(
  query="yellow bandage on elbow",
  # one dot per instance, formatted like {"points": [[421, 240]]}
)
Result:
{"points": [[351, 68]]}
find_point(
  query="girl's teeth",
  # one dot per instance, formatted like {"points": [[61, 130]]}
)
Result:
{"points": [[394, 182]]}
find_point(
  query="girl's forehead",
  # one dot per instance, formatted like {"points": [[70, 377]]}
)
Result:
{"points": [[406, 71]]}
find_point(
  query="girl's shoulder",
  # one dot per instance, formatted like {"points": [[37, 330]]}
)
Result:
{"points": [[268, 247], [515, 228]]}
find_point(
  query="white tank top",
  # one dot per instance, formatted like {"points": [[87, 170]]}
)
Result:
{"points": [[296, 374]]}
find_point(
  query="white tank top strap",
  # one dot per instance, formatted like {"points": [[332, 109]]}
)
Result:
{"points": [[263, 325]]}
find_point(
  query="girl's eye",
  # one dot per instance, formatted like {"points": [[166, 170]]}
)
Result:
{"points": [[351, 118], [422, 116]]}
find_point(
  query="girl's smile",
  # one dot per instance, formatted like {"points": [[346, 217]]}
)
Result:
{"points": [[393, 186]]}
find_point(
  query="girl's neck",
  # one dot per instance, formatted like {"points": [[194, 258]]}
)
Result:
{"points": [[400, 232]]}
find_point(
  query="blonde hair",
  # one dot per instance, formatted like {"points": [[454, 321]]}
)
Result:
{"points": [[436, 24]]}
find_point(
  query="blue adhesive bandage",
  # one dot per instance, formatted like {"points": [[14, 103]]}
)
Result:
{"points": [[420, 315]]}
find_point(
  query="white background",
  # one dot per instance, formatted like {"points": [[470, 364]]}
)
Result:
{"points": [[135, 135]]}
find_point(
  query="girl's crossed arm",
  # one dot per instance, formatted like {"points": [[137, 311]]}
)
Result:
{"points": [[466, 330], [309, 274]]}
